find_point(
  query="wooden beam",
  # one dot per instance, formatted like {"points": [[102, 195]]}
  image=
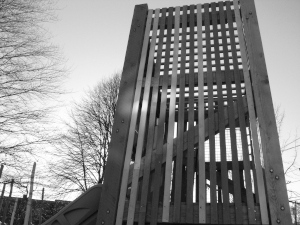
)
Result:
{"points": [[274, 173], [114, 167], [258, 173], [171, 123], [224, 169], [201, 122], [180, 126]]}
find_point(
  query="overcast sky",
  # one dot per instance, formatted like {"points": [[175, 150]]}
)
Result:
{"points": [[93, 35]]}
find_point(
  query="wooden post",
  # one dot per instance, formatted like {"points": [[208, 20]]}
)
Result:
{"points": [[14, 212], [7, 203], [2, 196], [113, 172], [295, 212], [1, 169], [29, 201], [274, 173], [41, 207]]}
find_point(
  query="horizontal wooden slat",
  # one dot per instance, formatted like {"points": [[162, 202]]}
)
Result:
{"points": [[195, 79], [196, 205], [195, 15]]}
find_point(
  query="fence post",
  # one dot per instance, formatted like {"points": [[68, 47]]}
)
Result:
{"points": [[7, 203], [14, 212], [29, 206], [41, 207]]}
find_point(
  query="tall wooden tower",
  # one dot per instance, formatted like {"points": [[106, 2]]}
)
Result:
{"points": [[194, 138]]}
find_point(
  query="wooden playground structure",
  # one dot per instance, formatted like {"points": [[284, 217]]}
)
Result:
{"points": [[194, 139]]}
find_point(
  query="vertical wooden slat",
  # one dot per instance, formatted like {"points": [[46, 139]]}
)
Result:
{"points": [[181, 110], [14, 212], [191, 136], [113, 172], [224, 170], [143, 117], [211, 120], [7, 202], [201, 123], [256, 150], [2, 196], [171, 122], [161, 124], [242, 121], [133, 121], [152, 123], [235, 165], [1, 170], [275, 180]]}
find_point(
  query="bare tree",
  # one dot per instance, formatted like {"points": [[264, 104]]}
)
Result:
{"points": [[31, 72], [82, 150]]}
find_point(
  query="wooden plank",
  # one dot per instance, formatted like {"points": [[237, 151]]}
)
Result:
{"points": [[276, 188], [7, 202], [133, 121], [171, 122], [252, 117], [224, 170], [181, 120], [242, 121], [211, 119], [113, 171], [206, 136], [143, 117], [191, 136], [201, 123], [161, 125], [152, 127], [235, 169]]}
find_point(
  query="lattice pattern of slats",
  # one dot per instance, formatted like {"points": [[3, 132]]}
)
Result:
{"points": [[193, 136]]}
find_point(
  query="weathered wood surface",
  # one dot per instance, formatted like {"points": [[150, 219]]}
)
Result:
{"points": [[258, 173], [117, 149], [183, 215], [190, 151], [274, 174]]}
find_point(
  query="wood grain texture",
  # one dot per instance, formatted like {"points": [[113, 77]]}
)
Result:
{"points": [[258, 173], [171, 122], [235, 170], [152, 126], [111, 187], [143, 118], [224, 170], [211, 119], [201, 122], [133, 122], [181, 119], [161, 125], [242, 121], [191, 136], [276, 188]]}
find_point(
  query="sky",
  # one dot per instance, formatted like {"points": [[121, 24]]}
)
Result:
{"points": [[93, 36]]}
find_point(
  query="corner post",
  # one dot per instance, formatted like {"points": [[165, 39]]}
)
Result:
{"points": [[115, 162], [274, 173]]}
